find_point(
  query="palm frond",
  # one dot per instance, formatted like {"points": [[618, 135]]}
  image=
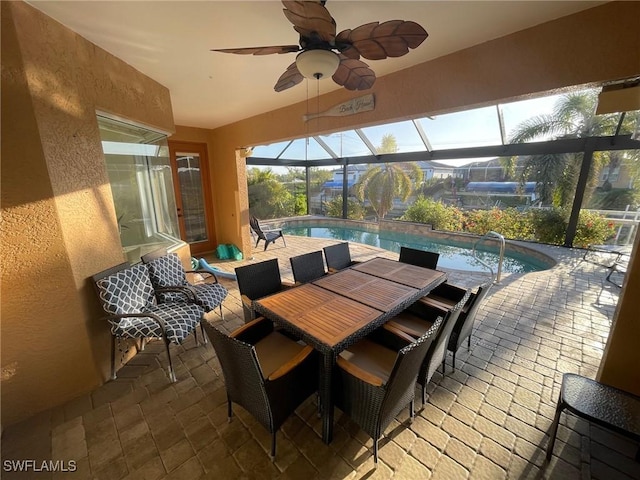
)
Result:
{"points": [[539, 127]]}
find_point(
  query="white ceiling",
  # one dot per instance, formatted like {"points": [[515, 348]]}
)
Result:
{"points": [[170, 41]]}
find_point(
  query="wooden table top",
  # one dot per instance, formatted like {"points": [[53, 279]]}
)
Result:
{"points": [[333, 310], [320, 313], [381, 294], [404, 273]]}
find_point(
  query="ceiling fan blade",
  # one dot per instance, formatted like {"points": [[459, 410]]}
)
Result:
{"points": [[290, 78], [354, 74], [260, 50], [376, 41], [343, 43], [309, 17]]}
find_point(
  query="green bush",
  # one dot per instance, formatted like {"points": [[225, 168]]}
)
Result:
{"points": [[549, 225], [510, 222], [438, 215], [592, 229], [545, 226], [355, 210]]}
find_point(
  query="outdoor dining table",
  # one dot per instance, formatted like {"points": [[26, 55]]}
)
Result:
{"points": [[335, 311]]}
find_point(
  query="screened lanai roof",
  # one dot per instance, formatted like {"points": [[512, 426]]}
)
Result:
{"points": [[458, 137]]}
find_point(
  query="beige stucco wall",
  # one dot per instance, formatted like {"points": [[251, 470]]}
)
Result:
{"points": [[58, 221]]}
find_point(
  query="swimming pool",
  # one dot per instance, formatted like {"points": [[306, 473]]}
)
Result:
{"points": [[453, 254]]}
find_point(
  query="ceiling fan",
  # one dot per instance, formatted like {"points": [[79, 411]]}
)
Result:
{"points": [[323, 53]]}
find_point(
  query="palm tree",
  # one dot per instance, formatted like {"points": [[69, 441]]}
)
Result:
{"points": [[380, 184], [557, 174]]}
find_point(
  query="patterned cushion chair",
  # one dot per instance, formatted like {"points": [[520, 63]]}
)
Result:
{"points": [[128, 298], [167, 271]]}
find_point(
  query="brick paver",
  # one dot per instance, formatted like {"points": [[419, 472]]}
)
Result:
{"points": [[487, 419]]}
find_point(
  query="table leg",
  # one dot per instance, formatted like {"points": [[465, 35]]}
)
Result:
{"points": [[326, 399]]}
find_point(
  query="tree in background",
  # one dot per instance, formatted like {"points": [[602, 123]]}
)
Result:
{"points": [[557, 175], [380, 184], [268, 197], [355, 209]]}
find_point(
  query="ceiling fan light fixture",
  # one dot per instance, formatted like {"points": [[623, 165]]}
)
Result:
{"points": [[317, 64]]}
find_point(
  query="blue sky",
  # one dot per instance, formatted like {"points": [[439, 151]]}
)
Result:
{"points": [[469, 128]]}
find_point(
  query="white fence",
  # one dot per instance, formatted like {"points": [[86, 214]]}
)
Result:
{"points": [[626, 222]]}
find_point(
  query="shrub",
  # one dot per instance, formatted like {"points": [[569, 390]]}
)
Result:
{"points": [[438, 215], [509, 222], [551, 225], [542, 225], [355, 210], [593, 228]]}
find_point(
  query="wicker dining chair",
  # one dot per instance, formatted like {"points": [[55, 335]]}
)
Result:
{"points": [[421, 258], [307, 267], [418, 319], [166, 270], [128, 298], [464, 325], [338, 257], [258, 280], [376, 378], [265, 372]]}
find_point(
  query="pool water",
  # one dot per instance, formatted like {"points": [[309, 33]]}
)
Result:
{"points": [[452, 255]]}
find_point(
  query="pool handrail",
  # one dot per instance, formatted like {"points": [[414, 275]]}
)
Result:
{"points": [[491, 233]]}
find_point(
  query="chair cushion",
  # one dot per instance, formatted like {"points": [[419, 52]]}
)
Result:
{"points": [[127, 291], [372, 357], [167, 271], [411, 324], [135, 327], [179, 319], [210, 295], [275, 350]]}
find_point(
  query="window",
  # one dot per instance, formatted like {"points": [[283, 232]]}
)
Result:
{"points": [[137, 161]]}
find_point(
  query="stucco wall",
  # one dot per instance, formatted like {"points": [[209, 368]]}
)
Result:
{"points": [[58, 221]]}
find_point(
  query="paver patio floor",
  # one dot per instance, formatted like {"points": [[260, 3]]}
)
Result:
{"points": [[487, 420]]}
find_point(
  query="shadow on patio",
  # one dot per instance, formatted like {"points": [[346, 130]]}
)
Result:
{"points": [[488, 419]]}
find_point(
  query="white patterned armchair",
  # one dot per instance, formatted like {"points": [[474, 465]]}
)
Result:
{"points": [[166, 271], [128, 298]]}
